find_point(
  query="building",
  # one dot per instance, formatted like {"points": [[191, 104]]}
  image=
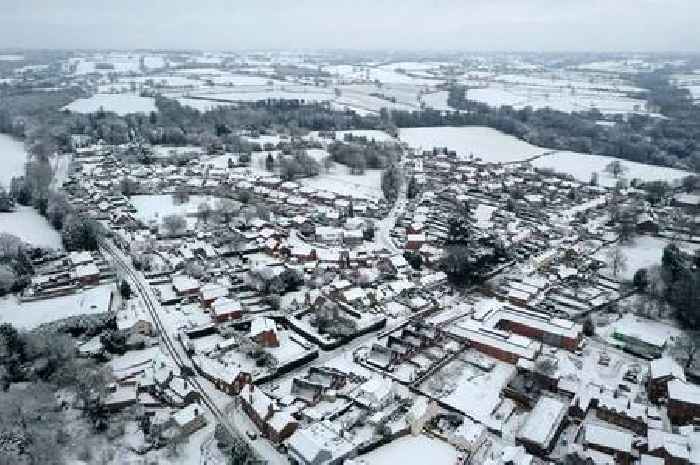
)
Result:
{"points": [[540, 431], [661, 372], [609, 441], [211, 292], [683, 402], [185, 285], [264, 332], [469, 436], [674, 449], [225, 309], [225, 378], [320, 443], [189, 419]]}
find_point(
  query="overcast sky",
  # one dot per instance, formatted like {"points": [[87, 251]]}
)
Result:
{"points": [[537, 25]]}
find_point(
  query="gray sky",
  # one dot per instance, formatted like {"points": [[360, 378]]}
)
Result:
{"points": [[538, 25]]}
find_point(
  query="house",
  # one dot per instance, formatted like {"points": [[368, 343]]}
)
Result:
{"points": [[320, 443], [544, 423], [120, 396], [87, 273], [376, 393], [415, 241], [609, 441], [225, 378], [469, 436], [257, 405], [328, 234], [688, 201], [683, 402], [210, 292], [661, 372], [225, 309], [674, 449], [185, 285], [264, 332], [623, 412], [189, 419]]}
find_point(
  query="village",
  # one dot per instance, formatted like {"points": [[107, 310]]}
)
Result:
{"points": [[344, 258], [322, 326]]}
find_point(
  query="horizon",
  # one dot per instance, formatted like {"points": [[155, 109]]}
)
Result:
{"points": [[501, 26]]}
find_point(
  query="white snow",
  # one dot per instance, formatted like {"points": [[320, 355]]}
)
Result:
{"points": [[581, 166], [27, 224], [120, 104], [29, 315], [485, 143], [13, 158], [155, 207], [340, 181], [413, 450], [642, 252]]}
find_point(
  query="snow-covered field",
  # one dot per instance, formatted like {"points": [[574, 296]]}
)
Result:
{"points": [[340, 181], [642, 252], [413, 450], [13, 159], [485, 143], [27, 224], [120, 104], [581, 166], [155, 207], [562, 99], [262, 94], [29, 315]]}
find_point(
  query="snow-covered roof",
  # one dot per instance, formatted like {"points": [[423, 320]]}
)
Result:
{"points": [[187, 415], [261, 325], [607, 437], [184, 283], [666, 366], [688, 393], [225, 306], [675, 444], [211, 291], [543, 421]]}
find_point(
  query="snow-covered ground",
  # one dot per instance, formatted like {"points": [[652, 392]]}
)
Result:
{"points": [[120, 104], [562, 99], [413, 450], [642, 252], [155, 207], [340, 181], [485, 143], [13, 159], [27, 224], [581, 166], [29, 315]]}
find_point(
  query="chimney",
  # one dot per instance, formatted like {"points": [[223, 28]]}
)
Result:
{"points": [[196, 412]]}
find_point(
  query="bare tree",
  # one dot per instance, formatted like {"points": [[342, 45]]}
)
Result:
{"points": [[204, 211], [686, 348], [616, 260], [227, 209], [174, 224]]}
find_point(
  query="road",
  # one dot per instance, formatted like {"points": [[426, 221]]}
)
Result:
{"points": [[382, 236], [215, 400]]}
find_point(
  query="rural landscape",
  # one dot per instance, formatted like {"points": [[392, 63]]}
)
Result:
{"points": [[349, 256]]}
